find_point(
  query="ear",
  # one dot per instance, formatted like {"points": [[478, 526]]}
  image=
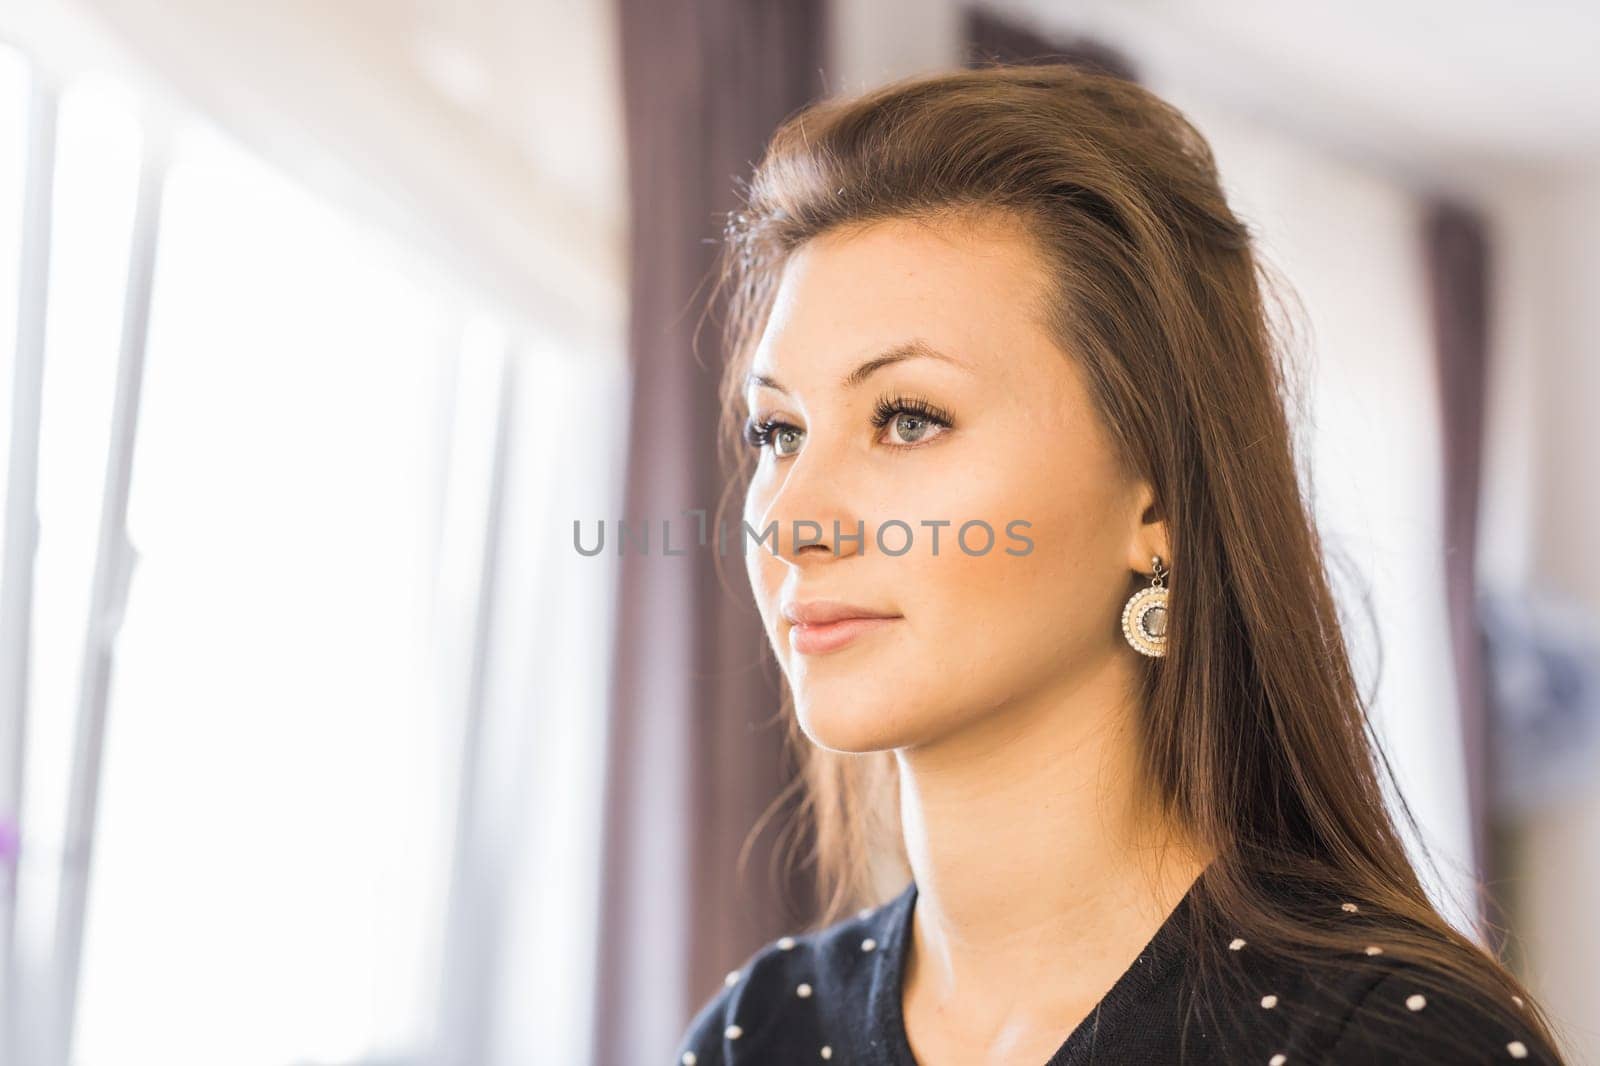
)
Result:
{"points": [[1148, 531]]}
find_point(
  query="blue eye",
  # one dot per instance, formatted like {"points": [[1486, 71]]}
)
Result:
{"points": [[914, 422], [913, 419], [783, 437]]}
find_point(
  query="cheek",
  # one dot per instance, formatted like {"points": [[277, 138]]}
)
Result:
{"points": [[764, 570], [981, 629], [1006, 621]]}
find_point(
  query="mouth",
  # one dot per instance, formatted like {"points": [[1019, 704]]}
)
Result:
{"points": [[829, 636], [820, 626]]}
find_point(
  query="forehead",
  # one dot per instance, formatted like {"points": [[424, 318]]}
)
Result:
{"points": [[968, 288]]}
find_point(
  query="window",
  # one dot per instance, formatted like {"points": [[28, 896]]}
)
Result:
{"points": [[298, 622]]}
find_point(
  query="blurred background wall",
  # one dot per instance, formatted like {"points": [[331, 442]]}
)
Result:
{"points": [[322, 324]]}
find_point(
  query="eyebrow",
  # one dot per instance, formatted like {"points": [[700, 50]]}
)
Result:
{"points": [[912, 349]]}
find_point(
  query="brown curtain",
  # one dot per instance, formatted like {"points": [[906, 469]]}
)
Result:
{"points": [[1456, 253], [695, 742]]}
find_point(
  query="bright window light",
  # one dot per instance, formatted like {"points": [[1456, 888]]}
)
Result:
{"points": [[14, 87], [347, 807], [97, 146], [273, 837]]}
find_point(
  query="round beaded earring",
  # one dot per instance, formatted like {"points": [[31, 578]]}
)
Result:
{"points": [[1144, 619]]}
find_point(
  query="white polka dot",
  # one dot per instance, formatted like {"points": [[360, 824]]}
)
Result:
{"points": [[868, 944], [1373, 949], [733, 1032], [864, 912], [688, 1058], [1518, 1049], [1269, 1001], [1416, 1001], [1278, 1060], [1517, 1000], [785, 943], [1236, 943], [827, 1052], [732, 978], [804, 991], [1349, 907]]}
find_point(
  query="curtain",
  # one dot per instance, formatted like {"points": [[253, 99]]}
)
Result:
{"points": [[696, 753], [1456, 254]]}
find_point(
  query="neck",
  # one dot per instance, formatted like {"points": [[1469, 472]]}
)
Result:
{"points": [[1034, 836]]}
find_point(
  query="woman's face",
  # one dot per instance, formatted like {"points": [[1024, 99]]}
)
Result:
{"points": [[996, 428]]}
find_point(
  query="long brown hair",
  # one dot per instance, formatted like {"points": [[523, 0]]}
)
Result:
{"points": [[1254, 729]]}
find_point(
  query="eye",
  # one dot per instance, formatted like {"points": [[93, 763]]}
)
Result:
{"points": [[782, 436], [910, 421]]}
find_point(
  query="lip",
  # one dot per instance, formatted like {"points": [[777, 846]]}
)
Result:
{"points": [[822, 612], [818, 626]]}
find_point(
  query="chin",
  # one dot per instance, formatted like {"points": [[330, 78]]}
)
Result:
{"points": [[855, 717], [850, 732]]}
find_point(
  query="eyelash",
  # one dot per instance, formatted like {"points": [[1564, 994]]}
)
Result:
{"points": [[758, 434]]}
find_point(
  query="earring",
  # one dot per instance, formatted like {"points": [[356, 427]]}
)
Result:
{"points": [[1144, 619]]}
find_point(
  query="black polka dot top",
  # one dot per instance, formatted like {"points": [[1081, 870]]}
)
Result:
{"points": [[833, 996]]}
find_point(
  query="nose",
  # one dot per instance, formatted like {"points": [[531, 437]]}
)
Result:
{"points": [[813, 521]]}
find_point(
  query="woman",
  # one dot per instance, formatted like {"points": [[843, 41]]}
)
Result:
{"points": [[1052, 612]]}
